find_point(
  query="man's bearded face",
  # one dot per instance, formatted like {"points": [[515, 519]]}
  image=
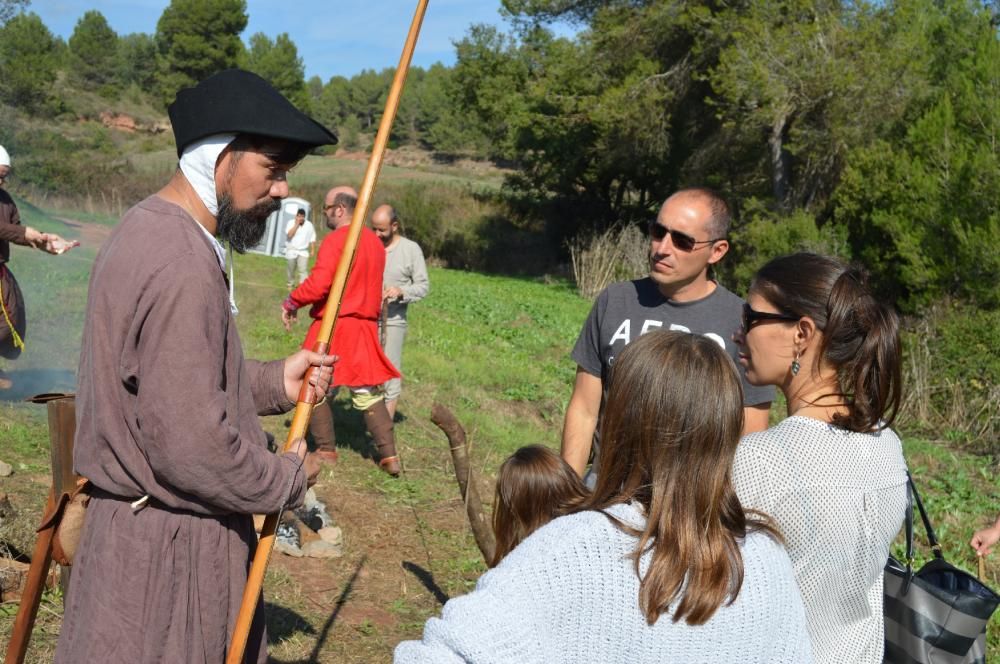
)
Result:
{"points": [[243, 229]]}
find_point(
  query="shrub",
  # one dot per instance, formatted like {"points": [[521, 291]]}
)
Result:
{"points": [[952, 375], [618, 254], [766, 234]]}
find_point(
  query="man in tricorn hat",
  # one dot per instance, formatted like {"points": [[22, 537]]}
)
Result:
{"points": [[167, 428]]}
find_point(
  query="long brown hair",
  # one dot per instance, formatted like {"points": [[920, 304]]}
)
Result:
{"points": [[860, 333], [534, 486], [668, 437]]}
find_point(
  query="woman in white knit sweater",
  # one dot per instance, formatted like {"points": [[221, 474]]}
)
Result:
{"points": [[832, 474], [662, 564]]}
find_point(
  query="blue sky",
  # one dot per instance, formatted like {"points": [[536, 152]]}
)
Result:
{"points": [[333, 37]]}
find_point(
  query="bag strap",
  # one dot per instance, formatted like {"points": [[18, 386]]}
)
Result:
{"points": [[909, 525], [931, 537]]}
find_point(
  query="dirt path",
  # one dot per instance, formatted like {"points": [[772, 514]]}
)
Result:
{"points": [[91, 234], [358, 607]]}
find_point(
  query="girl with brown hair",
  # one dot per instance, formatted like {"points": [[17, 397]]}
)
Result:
{"points": [[661, 564], [832, 474], [534, 486]]}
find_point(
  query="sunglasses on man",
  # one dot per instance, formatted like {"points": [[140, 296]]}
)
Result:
{"points": [[752, 316], [682, 241]]}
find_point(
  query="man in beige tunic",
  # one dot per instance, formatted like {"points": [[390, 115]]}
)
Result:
{"points": [[167, 427]]}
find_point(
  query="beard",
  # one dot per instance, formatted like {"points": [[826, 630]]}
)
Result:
{"points": [[243, 229]]}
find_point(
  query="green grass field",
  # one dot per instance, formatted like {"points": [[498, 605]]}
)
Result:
{"points": [[494, 350]]}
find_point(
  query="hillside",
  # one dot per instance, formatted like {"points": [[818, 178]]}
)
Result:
{"points": [[493, 349]]}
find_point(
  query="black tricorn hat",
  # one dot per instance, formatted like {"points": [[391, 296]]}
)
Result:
{"points": [[239, 102]]}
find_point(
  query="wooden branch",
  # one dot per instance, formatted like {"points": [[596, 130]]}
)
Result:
{"points": [[34, 584], [482, 530]]}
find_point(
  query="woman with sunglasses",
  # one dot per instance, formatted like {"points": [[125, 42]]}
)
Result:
{"points": [[832, 474]]}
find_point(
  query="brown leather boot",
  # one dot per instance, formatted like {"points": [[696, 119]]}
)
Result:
{"points": [[379, 424], [321, 428]]}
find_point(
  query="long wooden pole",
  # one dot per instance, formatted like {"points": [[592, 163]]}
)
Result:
{"points": [[304, 406]]}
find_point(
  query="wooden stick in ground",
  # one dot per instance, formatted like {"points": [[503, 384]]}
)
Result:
{"points": [[304, 406], [62, 427], [481, 528], [34, 584]]}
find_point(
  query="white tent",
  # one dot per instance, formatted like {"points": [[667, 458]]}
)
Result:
{"points": [[273, 242]]}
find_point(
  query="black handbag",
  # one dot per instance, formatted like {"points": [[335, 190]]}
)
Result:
{"points": [[937, 614]]}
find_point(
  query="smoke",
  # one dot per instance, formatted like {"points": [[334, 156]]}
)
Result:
{"points": [[55, 296]]}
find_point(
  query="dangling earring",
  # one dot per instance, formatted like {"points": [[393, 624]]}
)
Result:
{"points": [[795, 364]]}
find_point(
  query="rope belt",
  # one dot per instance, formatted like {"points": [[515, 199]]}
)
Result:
{"points": [[18, 341]]}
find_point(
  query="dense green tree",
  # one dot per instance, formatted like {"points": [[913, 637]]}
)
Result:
{"points": [[405, 127], [815, 79], [334, 102], [600, 125], [198, 38], [93, 49], [28, 59], [137, 60], [314, 87], [924, 210], [368, 92], [10, 8], [278, 62], [440, 125]]}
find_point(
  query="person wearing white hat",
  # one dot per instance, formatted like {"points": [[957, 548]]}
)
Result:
{"points": [[13, 323]]}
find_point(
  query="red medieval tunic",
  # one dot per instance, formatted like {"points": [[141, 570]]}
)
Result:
{"points": [[167, 408], [355, 338], [14, 319]]}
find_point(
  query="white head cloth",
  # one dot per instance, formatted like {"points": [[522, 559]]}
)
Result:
{"points": [[4, 157], [198, 165]]}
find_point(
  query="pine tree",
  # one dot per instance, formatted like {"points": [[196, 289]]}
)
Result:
{"points": [[137, 60], [278, 63], [28, 60], [93, 50], [10, 8], [198, 38]]}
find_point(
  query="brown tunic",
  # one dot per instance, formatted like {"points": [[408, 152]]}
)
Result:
{"points": [[11, 229], [167, 407]]}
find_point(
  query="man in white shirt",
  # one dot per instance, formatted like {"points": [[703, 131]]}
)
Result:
{"points": [[300, 247]]}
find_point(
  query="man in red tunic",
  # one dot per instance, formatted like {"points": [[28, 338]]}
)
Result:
{"points": [[363, 367]]}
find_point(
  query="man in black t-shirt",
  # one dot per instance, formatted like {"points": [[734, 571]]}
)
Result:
{"points": [[688, 236]]}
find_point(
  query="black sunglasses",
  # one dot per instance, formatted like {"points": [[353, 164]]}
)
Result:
{"points": [[751, 316], [682, 241]]}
